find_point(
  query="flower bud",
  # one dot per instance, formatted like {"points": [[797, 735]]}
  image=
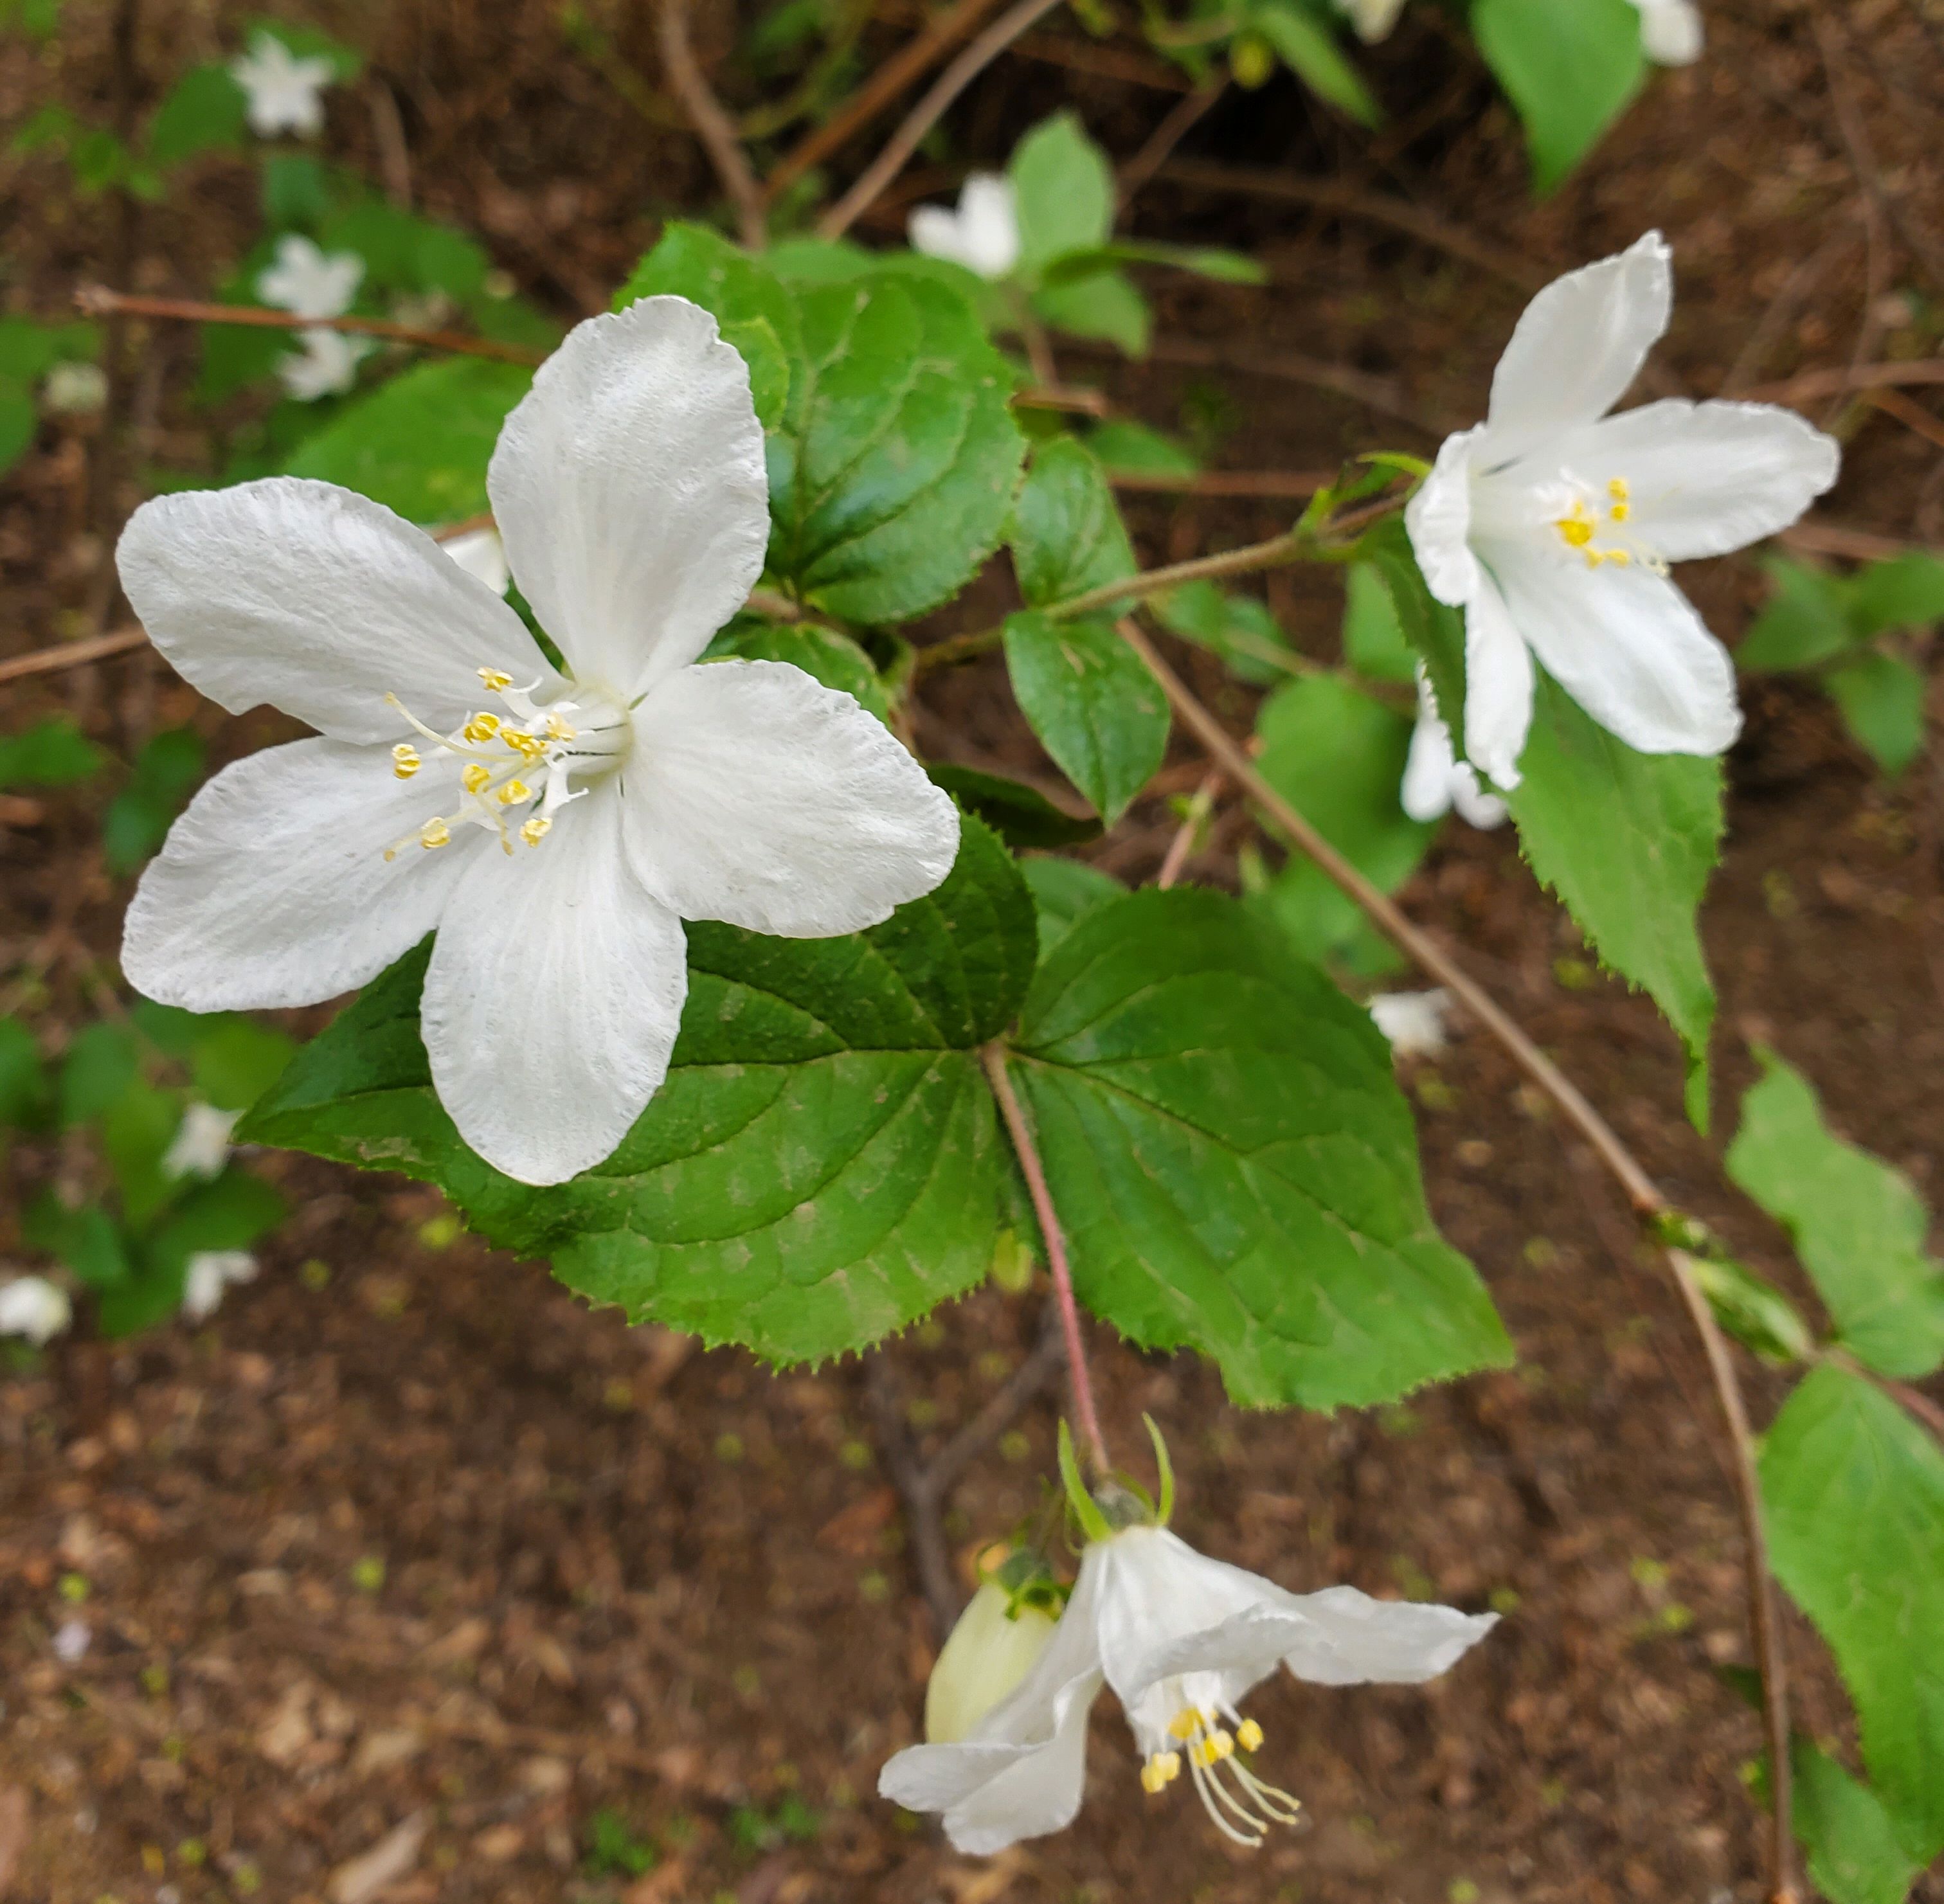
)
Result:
{"points": [[992, 1648]]}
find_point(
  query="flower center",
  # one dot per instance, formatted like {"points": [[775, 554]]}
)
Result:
{"points": [[1242, 1807], [522, 762], [1586, 518]]}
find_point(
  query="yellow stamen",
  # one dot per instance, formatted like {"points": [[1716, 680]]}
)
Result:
{"points": [[1249, 1736], [1577, 530], [536, 829], [1221, 1744], [435, 832], [528, 746], [513, 793], [481, 727], [1618, 491], [1185, 1724], [558, 730], [1160, 1772], [496, 679], [405, 761], [475, 776]]}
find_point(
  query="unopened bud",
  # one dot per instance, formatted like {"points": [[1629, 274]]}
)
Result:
{"points": [[995, 1644]]}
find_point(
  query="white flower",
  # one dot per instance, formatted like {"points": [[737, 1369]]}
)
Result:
{"points": [[72, 1638], [75, 390], [1373, 19], [1435, 779], [201, 1146], [326, 367], [33, 1307], [462, 783], [983, 234], [1671, 33], [209, 1272], [308, 282], [282, 90], [1181, 1639], [992, 1647], [482, 556], [1413, 1021], [1552, 524]]}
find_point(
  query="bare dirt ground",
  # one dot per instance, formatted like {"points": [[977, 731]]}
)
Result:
{"points": [[409, 1552]]}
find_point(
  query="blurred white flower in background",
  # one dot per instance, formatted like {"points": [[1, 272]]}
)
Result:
{"points": [[308, 282], [1434, 779], [1373, 19], [284, 93], [209, 1274], [73, 390], [1414, 1022], [326, 367], [33, 1307], [71, 1642], [482, 555], [201, 1146], [1671, 33], [461, 784], [1552, 524], [983, 234]]}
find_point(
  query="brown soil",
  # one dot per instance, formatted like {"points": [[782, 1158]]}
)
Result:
{"points": [[408, 1539]]}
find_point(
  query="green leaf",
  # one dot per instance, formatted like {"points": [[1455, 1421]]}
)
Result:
{"points": [[1105, 304], [1235, 1164], [139, 817], [1311, 51], [1022, 815], [1238, 628], [26, 1092], [136, 1130], [53, 752], [1064, 891], [87, 1240], [822, 653], [1905, 592], [1854, 1856], [297, 192], [1064, 188], [99, 1066], [1338, 757], [1753, 1311], [1807, 619], [1854, 1493], [418, 444], [1881, 699], [756, 341], [1066, 532], [1130, 448], [19, 422], [1627, 841], [824, 1164], [405, 253], [1096, 710], [204, 112], [1569, 70], [235, 1061], [1374, 639], [1857, 1224]]}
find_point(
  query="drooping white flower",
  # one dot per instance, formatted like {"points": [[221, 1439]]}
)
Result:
{"points": [[482, 555], [208, 1274], [1435, 780], [201, 1146], [555, 829], [994, 1646], [1414, 1022], [1181, 1639], [308, 282], [983, 234], [1671, 32], [1552, 524], [75, 390], [326, 367], [33, 1307], [1373, 19], [284, 92]]}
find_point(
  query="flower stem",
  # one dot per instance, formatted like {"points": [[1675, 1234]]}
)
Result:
{"points": [[994, 1059]]}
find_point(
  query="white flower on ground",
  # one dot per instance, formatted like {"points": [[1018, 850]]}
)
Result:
{"points": [[33, 1307], [1181, 1639], [326, 367], [983, 234], [1552, 524], [993, 1647], [201, 1146], [1671, 33], [1414, 1022], [308, 281], [75, 390], [1435, 780], [555, 829], [482, 555], [1373, 19], [284, 92], [72, 1638], [209, 1274]]}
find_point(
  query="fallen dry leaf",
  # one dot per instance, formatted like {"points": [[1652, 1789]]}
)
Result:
{"points": [[360, 1879]]}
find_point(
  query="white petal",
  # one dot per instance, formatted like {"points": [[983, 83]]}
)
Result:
{"points": [[1706, 478], [1412, 1022], [1671, 33], [1438, 519], [316, 601], [1425, 794], [989, 224], [1476, 807], [1157, 1594], [629, 489], [1498, 684], [326, 367], [553, 997], [1628, 646], [1578, 345], [33, 1307], [1354, 1639], [273, 889], [482, 556], [933, 230], [757, 795]]}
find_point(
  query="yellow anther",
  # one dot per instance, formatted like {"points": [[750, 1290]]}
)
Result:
{"points": [[496, 679], [1618, 491], [405, 761], [481, 727], [1200, 1754], [1221, 1744], [1185, 1724], [558, 730], [1619, 511], [435, 832], [528, 746], [536, 830], [1161, 1770], [1577, 530], [513, 793], [475, 776], [1249, 1736]]}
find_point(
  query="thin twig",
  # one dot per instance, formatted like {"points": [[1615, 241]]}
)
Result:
{"points": [[1810, 384], [1641, 1191], [943, 1470], [712, 125], [1913, 416], [72, 654], [1201, 805], [1181, 119], [1275, 485], [97, 300], [1855, 544], [994, 1059], [930, 1556], [1876, 215], [927, 112]]}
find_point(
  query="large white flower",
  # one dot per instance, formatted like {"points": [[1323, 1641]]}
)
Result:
{"points": [[33, 1307], [983, 234], [1671, 32], [308, 282], [1552, 524], [1181, 1639], [284, 92], [1435, 780], [554, 829]]}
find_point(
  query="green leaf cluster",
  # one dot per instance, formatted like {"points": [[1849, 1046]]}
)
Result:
{"points": [[28, 350]]}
